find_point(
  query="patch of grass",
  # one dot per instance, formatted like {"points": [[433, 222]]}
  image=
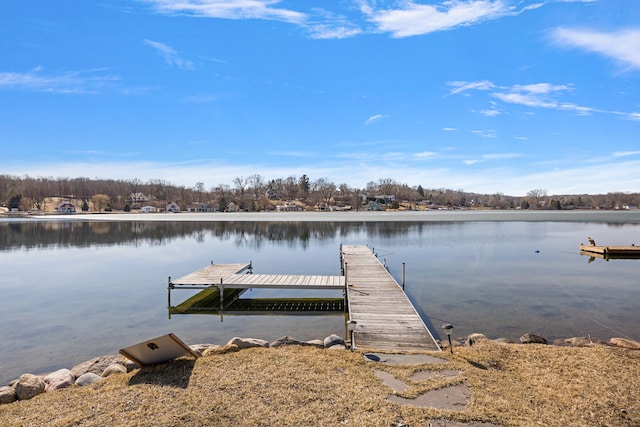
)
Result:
{"points": [[512, 385]]}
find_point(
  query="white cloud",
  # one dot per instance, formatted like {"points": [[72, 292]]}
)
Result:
{"points": [[229, 9], [626, 153], [459, 87], [485, 133], [491, 112], [170, 55], [69, 82], [417, 19], [375, 118], [511, 179], [425, 155], [622, 46]]}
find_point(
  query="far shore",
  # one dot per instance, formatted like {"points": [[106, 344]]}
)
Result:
{"points": [[604, 216]]}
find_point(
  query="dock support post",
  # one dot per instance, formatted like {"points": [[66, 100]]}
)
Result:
{"points": [[169, 296], [403, 266], [346, 294]]}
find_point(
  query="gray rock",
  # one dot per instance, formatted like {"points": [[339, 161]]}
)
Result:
{"points": [[316, 343], [29, 385], [87, 379], [332, 340], [248, 342], [62, 378], [287, 341], [625, 343], [337, 347], [199, 348], [97, 365], [504, 340], [474, 338], [583, 342], [532, 339], [7, 395], [115, 368]]}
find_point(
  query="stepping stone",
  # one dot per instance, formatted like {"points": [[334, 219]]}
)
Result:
{"points": [[453, 398], [391, 381], [403, 359], [425, 375]]}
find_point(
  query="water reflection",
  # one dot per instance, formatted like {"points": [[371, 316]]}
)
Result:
{"points": [[72, 290]]}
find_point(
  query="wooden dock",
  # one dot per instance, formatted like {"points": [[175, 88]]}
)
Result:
{"points": [[385, 318]]}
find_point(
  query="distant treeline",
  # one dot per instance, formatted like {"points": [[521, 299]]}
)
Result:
{"points": [[255, 193]]}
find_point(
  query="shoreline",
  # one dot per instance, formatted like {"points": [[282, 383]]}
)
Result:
{"points": [[609, 216]]}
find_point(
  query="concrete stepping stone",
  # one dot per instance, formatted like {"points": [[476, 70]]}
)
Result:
{"points": [[453, 398], [403, 359]]}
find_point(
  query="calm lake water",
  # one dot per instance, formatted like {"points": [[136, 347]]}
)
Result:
{"points": [[73, 290]]}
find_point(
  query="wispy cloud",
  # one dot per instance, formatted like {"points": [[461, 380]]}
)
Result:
{"points": [[626, 153], [375, 118], [68, 82], [170, 55], [459, 87], [229, 9], [408, 19], [417, 19], [536, 95], [490, 133], [622, 46]]}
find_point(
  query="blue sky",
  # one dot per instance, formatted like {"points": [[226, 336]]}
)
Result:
{"points": [[488, 96]]}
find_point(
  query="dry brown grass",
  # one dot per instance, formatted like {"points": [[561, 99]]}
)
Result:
{"points": [[512, 385]]}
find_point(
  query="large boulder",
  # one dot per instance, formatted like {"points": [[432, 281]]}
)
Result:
{"points": [[474, 339], [200, 348], [280, 342], [87, 379], [532, 339], [625, 343], [248, 342], [7, 395], [114, 368], [62, 378], [582, 342], [29, 385], [97, 365], [332, 340], [231, 348]]}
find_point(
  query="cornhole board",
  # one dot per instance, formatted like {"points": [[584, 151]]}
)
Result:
{"points": [[157, 350]]}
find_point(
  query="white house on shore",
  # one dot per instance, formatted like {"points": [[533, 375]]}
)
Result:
{"points": [[172, 207], [147, 209], [66, 208]]}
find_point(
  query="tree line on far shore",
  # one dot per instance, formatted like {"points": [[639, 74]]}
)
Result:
{"points": [[255, 193]]}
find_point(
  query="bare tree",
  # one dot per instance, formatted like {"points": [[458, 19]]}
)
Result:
{"points": [[536, 196]]}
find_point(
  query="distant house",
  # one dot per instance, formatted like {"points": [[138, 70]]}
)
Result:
{"points": [[290, 207], [374, 206], [172, 207], [271, 194], [140, 197], [232, 207], [200, 207], [147, 209], [66, 208]]}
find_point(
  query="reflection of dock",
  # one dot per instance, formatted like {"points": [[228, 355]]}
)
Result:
{"points": [[609, 255], [629, 251], [384, 317], [609, 252]]}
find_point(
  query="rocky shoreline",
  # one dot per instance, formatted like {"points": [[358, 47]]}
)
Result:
{"points": [[30, 385]]}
